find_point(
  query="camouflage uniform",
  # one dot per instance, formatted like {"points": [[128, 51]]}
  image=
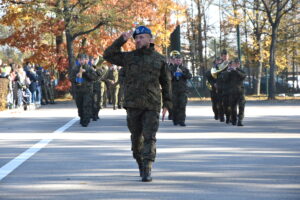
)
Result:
{"points": [[112, 80], [179, 93], [236, 95], [223, 95], [103, 88], [222, 92], [44, 84], [213, 94], [146, 70], [97, 91], [121, 90], [47, 88], [83, 92]]}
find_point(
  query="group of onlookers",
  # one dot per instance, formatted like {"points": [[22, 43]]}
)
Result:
{"points": [[28, 85]]}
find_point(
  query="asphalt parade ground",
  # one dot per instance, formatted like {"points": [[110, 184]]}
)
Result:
{"points": [[45, 154]]}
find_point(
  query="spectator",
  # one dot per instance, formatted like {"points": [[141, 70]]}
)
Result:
{"points": [[5, 70], [11, 88]]}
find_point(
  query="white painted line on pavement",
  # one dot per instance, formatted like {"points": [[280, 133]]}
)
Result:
{"points": [[16, 162]]}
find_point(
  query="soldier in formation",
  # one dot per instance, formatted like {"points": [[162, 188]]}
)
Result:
{"points": [[83, 77], [147, 78], [180, 75], [212, 86], [236, 92], [226, 81], [113, 85], [97, 89]]}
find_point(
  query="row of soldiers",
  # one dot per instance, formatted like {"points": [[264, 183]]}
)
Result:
{"points": [[102, 82], [225, 81], [93, 82]]}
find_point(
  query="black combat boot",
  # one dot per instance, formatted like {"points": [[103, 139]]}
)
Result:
{"points": [[182, 124], [240, 123], [222, 119], [146, 177], [95, 118], [233, 122], [227, 120]]}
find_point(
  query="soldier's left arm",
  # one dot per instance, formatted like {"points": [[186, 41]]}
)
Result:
{"points": [[165, 82]]}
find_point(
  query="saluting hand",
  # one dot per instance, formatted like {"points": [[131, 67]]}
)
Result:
{"points": [[127, 35]]}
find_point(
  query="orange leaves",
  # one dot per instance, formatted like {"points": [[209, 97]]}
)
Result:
{"points": [[63, 85]]}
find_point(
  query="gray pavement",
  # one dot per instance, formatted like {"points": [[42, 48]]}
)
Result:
{"points": [[207, 160]]}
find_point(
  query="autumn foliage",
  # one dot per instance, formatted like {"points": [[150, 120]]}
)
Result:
{"points": [[38, 27]]}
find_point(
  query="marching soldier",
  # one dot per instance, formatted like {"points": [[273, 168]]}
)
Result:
{"points": [[222, 87], [82, 77], [180, 75], [146, 78], [97, 87], [121, 90], [236, 92], [112, 80], [103, 88], [211, 84]]}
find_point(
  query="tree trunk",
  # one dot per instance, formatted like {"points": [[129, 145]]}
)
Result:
{"points": [[260, 66], [272, 61], [200, 40], [70, 51]]}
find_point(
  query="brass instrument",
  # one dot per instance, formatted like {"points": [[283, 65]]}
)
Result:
{"points": [[208, 85], [220, 67]]}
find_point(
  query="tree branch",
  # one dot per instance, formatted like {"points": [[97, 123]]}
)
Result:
{"points": [[101, 23], [268, 11]]}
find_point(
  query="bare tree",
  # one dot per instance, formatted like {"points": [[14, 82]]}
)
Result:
{"points": [[275, 10]]}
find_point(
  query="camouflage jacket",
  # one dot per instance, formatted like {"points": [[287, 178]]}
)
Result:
{"points": [[180, 84], [113, 78], [223, 82], [102, 73], [147, 76], [236, 81], [89, 76]]}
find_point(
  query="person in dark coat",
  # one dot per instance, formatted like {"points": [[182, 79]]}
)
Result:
{"points": [[236, 92], [82, 77], [180, 75]]}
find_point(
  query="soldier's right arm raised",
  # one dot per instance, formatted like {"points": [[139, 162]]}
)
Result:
{"points": [[113, 53]]}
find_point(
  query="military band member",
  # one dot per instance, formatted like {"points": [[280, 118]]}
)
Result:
{"points": [[222, 88], [236, 92], [180, 75], [82, 77]]}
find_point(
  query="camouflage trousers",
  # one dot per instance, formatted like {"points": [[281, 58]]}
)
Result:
{"points": [[103, 96], [143, 125], [114, 92], [237, 100], [215, 103], [96, 103], [225, 107], [179, 101], [84, 103]]}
